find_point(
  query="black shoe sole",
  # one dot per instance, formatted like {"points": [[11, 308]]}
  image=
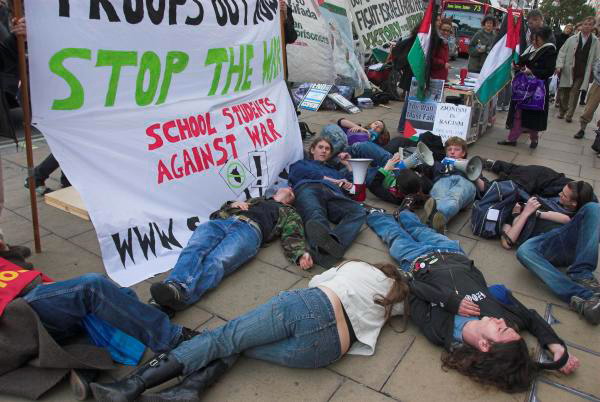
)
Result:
{"points": [[162, 294], [80, 389], [319, 234], [102, 394], [325, 260]]}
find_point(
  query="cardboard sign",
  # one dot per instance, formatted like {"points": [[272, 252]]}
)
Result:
{"points": [[344, 103], [452, 121], [315, 96]]}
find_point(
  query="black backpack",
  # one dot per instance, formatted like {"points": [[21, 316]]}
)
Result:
{"points": [[494, 209]]}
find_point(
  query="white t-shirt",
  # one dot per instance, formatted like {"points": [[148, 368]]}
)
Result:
{"points": [[357, 284]]}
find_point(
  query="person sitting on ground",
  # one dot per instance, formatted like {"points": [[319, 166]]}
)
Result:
{"points": [[539, 215], [61, 308], [232, 237], [341, 312], [320, 199], [453, 307], [451, 191], [573, 245]]}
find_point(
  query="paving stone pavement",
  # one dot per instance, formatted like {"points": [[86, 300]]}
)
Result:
{"points": [[405, 366]]}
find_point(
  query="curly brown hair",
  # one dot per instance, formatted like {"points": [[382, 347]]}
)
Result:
{"points": [[507, 366]]}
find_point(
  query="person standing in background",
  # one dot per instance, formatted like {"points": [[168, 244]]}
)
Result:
{"points": [[481, 44]]}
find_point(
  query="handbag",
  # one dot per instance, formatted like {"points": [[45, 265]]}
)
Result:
{"points": [[529, 92]]}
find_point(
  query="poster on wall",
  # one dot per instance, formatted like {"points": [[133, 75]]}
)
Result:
{"points": [[158, 115], [380, 21]]}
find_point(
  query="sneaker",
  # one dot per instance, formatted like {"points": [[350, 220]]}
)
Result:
{"points": [[580, 134], [324, 259], [438, 222], [560, 116], [506, 142], [409, 203], [533, 145], [488, 164], [168, 294], [569, 119], [506, 108], [590, 283], [589, 309], [429, 210], [167, 310], [370, 210], [321, 238]]}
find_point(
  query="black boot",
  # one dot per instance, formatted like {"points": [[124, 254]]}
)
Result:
{"points": [[191, 387], [80, 380], [158, 370]]}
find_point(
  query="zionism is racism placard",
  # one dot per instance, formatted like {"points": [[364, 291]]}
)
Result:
{"points": [[158, 112]]}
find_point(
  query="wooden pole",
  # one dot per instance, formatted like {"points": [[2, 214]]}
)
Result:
{"points": [[283, 45], [18, 13]]}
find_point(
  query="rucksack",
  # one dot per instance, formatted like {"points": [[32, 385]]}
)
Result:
{"points": [[493, 209]]}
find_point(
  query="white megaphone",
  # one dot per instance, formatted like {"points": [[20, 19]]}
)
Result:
{"points": [[420, 156], [359, 177], [471, 168]]}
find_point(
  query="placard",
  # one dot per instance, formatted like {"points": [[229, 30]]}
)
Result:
{"points": [[314, 97], [344, 103], [452, 121]]}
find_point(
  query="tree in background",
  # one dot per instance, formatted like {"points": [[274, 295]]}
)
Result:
{"points": [[561, 12]]}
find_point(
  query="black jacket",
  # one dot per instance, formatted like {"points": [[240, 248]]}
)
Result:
{"points": [[534, 179], [436, 293], [542, 65]]}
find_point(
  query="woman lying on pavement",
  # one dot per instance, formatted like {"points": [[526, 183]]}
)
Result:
{"points": [[342, 311], [453, 307]]}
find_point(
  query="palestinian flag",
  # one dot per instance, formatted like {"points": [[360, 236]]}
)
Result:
{"points": [[497, 69], [420, 52]]}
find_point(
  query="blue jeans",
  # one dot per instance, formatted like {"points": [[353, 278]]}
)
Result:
{"points": [[452, 193], [574, 245], [216, 249], [62, 305], [318, 202], [409, 239], [373, 151], [297, 328]]}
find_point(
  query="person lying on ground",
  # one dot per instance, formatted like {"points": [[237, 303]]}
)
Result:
{"points": [[452, 191], [342, 311], [231, 238], [573, 245], [375, 132], [321, 200], [61, 308], [540, 215], [453, 307]]}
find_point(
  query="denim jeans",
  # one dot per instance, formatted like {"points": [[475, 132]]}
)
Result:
{"points": [[409, 238], [574, 245], [216, 249], [317, 201], [453, 193], [297, 328], [62, 305]]}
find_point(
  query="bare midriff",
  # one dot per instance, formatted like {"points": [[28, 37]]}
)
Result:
{"points": [[342, 327]]}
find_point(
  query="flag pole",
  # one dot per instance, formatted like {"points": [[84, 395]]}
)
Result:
{"points": [[283, 46], [18, 13]]}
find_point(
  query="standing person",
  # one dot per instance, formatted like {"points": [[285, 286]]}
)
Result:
{"points": [[535, 21], [593, 102], [564, 35], [538, 60], [481, 44], [341, 312], [574, 64], [320, 200], [440, 54]]}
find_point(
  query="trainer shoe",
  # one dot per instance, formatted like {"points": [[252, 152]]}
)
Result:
{"points": [[321, 238], [579, 135], [168, 294], [488, 164], [429, 209], [589, 309], [438, 222], [370, 210], [409, 202], [590, 283]]}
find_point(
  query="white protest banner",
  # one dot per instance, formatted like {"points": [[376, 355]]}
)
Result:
{"points": [[159, 114], [310, 57], [452, 121], [381, 21]]}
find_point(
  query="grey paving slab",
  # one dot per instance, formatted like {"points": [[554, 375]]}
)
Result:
{"points": [[17, 229], [549, 393], [309, 273], [374, 371], [351, 391], [88, 241], [251, 285], [564, 167], [585, 378], [360, 252], [273, 254], [465, 243], [574, 329], [254, 380], [59, 222]]}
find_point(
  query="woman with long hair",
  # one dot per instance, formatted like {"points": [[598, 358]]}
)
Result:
{"points": [[342, 311]]}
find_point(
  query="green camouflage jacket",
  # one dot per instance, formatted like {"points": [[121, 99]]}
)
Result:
{"points": [[289, 227]]}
